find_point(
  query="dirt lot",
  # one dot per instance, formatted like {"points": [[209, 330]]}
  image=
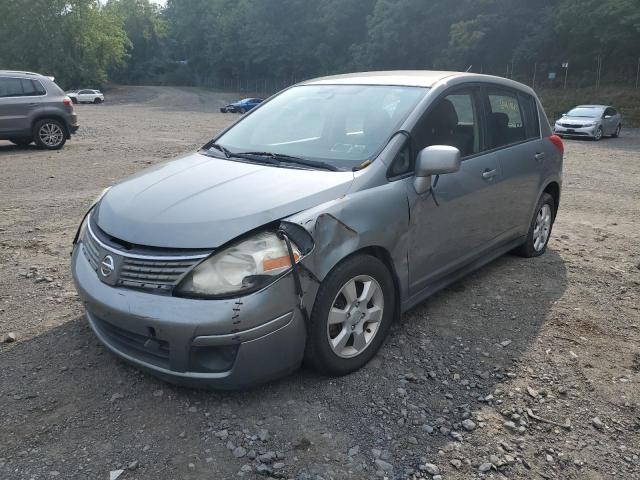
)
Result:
{"points": [[541, 355]]}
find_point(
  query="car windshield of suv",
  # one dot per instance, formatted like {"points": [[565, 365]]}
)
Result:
{"points": [[340, 125], [585, 112]]}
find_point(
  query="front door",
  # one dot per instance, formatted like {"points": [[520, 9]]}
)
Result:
{"points": [[454, 222]]}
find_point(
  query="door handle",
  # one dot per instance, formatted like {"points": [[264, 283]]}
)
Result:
{"points": [[539, 156], [489, 174]]}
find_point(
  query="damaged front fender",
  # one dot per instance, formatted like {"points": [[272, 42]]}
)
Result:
{"points": [[375, 218]]}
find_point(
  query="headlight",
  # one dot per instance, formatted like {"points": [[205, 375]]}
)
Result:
{"points": [[239, 269]]}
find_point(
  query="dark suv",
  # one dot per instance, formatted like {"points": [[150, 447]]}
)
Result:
{"points": [[34, 109]]}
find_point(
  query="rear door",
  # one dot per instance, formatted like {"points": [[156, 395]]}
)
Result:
{"points": [[18, 97], [85, 96], [455, 222], [515, 140]]}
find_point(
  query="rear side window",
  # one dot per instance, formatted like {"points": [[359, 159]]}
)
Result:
{"points": [[39, 88], [530, 110], [10, 87], [505, 119]]}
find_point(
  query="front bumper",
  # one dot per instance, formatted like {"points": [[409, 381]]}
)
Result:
{"points": [[575, 132], [225, 344]]}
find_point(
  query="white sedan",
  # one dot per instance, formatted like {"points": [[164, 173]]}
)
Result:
{"points": [[86, 96]]}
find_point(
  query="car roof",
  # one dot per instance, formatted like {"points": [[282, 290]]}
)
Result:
{"points": [[592, 106], [413, 78], [22, 73]]}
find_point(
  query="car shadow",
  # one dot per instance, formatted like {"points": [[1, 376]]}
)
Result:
{"points": [[441, 364]]}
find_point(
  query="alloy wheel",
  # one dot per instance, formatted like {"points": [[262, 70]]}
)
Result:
{"points": [[51, 134], [542, 228], [355, 316]]}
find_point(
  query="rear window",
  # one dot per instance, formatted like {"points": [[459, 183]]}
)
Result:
{"points": [[10, 87], [506, 124], [531, 120], [20, 87]]}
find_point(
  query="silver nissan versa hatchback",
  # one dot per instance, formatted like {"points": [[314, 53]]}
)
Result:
{"points": [[303, 230]]}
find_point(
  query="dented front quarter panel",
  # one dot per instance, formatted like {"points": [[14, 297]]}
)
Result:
{"points": [[374, 213]]}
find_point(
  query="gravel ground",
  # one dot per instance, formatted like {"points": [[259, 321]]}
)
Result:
{"points": [[527, 369]]}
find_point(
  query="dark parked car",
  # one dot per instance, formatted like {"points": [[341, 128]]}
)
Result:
{"points": [[242, 106], [34, 109]]}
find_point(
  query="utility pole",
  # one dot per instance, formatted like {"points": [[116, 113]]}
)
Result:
{"points": [[535, 70], [565, 65]]}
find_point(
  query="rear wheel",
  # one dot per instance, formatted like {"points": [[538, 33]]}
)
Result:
{"points": [[21, 142], [242, 111], [351, 317], [74, 100], [539, 229], [616, 134], [50, 134]]}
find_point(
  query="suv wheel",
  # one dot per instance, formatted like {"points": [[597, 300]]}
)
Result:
{"points": [[49, 134], [351, 316], [97, 100], [539, 229], [21, 142]]}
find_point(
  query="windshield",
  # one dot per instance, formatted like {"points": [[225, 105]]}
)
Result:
{"points": [[586, 112], [343, 125]]}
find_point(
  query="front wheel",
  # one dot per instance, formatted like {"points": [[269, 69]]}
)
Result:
{"points": [[49, 134], [598, 135], [539, 229], [97, 100], [242, 111], [351, 317]]}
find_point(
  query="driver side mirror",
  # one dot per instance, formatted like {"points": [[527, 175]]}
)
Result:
{"points": [[434, 160]]}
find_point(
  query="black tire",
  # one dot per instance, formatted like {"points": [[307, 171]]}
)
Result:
{"points": [[74, 101], [21, 142], [616, 134], [39, 134], [97, 100], [528, 248], [318, 353], [598, 136], [242, 111]]}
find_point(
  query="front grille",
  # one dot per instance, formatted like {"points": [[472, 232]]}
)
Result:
{"points": [[571, 125], [158, 273], [153, 274]]}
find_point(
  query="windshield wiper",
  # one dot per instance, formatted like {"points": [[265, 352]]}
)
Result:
{"points": [[219, 147], [282, 158]]}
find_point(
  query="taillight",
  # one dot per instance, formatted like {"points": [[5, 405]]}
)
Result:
{"points": [[557, 142], [67, 102]]}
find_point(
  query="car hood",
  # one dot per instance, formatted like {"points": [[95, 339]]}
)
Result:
{"points": [[203, 202], [578, 120]]}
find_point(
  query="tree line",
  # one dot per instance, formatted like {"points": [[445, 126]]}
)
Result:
{"points": [[195, 42]]}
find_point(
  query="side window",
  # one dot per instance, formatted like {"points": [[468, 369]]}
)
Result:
{"points": [[453, 121], [39, 88], [10, 87], [531, 120], [27, 87], [402, 163], [505, 119]]}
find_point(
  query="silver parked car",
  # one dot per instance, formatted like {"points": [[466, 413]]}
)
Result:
{"points": [[303, 230], [591, 121]]}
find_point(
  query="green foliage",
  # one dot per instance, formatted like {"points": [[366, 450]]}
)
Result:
{"points": [[205, 41], [76, 40]]}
